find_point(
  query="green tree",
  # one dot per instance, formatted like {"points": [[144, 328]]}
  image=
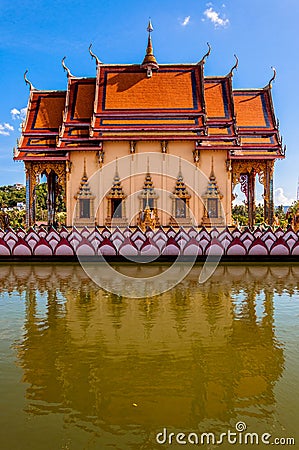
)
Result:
{"points": [[10, 196], [240, 214], [281, 216]]}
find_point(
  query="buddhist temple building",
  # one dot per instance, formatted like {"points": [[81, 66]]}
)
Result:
{"points": [[229, 135]]}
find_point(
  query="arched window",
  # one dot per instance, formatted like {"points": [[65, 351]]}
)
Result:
{"points": [[116, 208], [85, 202]]}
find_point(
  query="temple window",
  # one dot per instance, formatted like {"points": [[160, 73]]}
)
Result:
{"points": [[84, 208], [212, 206], [116, 203], [180, 202], [116, 208], [85, 202], [148, 202], [212, 202], [180, 208]]}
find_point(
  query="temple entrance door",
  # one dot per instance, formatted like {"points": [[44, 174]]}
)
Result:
{"points": [[53, 191], [245, 173]]}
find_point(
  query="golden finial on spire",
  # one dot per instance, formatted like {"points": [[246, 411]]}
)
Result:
{"points": [[212, 174], [84, 169], [180, 166], [149, 63], [150, 27], [116, 167]]}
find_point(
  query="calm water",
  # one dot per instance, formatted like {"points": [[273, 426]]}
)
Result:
{"points": [[85, 369]]}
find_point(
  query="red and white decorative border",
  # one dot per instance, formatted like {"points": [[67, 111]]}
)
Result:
{"points": [[161, 242]]}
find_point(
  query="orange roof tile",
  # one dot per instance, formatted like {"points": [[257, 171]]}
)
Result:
{"points": [[148, 121], [216, 143], [216, 100], [131, 106], [81, 99], [32, 142], [166, 89], [49, 113], [252, 109], [45, 111], [256, 140], [214, 130]]}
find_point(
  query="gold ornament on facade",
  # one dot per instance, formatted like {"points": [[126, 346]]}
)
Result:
{"points": [[243, 167], [164, 146], [132, 147], [101, 155]]}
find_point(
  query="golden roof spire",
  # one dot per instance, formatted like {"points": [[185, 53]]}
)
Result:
{"points": [[150, 27], [212, 174], [84, 169], [149, 63]]}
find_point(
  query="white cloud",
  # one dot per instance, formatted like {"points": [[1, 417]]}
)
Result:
{"points": [[281, 199], [18, 114], [186, 21], [5, 129], [215, 17], [15, 113]]}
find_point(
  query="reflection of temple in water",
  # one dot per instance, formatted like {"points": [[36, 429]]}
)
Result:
{"points": [[197, 352]]}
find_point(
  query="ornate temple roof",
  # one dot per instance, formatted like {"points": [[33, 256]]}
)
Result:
{"points": [[169, 101]]}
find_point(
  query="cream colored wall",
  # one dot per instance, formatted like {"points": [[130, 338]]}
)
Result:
{"points": [[75, 176], [164, 172], [223, 177]]}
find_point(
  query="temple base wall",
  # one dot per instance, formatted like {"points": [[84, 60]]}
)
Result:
{"points": [[167, 243]]}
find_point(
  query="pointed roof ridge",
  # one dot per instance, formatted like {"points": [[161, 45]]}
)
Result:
{"points": [[84, 169], [28, 82], [116, 190], [213, 190], [148, 185], [149, 62], [180, 189], [84, 189], [212, 174]]}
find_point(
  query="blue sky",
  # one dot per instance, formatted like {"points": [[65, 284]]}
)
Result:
{"points": [[263, 33]]}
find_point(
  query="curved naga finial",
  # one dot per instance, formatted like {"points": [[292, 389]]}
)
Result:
{"points": [[235, 66], [203, 59], [269, 85], [65, 68], [31, 87], [94, 56]]}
